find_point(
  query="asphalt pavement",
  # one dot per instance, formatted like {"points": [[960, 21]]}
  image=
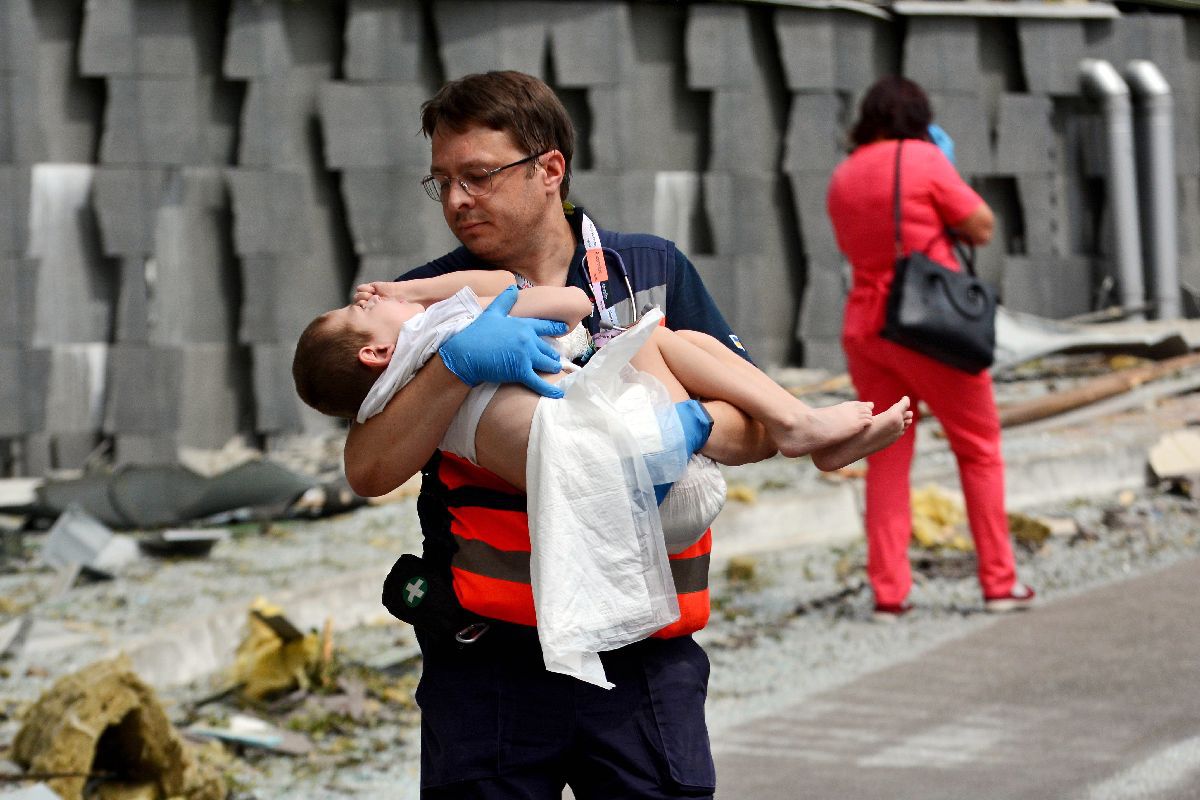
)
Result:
{"points": [[1092, 697]]}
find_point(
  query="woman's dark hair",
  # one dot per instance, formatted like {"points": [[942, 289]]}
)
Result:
{"points": [[510, 101], [893, 108]]}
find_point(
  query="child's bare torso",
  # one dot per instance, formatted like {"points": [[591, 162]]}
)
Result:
{"points": [[502, 438]]}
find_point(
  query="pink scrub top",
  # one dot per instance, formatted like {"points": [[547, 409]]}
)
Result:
{"points": [[859, 203]]}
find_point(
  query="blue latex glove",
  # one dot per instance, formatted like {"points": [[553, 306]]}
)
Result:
{"points": [[497, 348], [942, 139], [697, 426]]}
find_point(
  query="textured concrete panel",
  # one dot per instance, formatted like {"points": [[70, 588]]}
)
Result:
{"points": [[942, 54], [968, 122], [807, 47], [1044, 214], [824, 354], [476, 35], [719, 278], [162, 38], [20, 140], [301, 287], [765, 308], [679, 213], [815, 141], [748, 213], [277, 37], [271, 210], [1051, 50], [374, 125], [14, 421], [721, 48], [17, 37], [386, 41], [388, 212], [279, 123], [215, 394], [133, 303], [821, 308], [76, 382], [16, 299], [277, 408], [1025, 140], [195, 287], [14, 209], [76, 288], [747, 130], [816, 232], [590, 43], [1049, 286], [172, 121], [143, 389], [1189, 234], [615, 200], [145, 449], [865, 48], [125, 200]]}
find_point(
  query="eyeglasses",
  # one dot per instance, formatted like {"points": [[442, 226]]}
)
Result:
{"points": [[475, 182]]}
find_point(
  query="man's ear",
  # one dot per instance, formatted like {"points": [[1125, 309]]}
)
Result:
{"points": [[554, 167], [375, 356]]}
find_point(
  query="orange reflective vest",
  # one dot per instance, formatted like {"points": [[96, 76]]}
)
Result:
{"points": [[490, 568]]}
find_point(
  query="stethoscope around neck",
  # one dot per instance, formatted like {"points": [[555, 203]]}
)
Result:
{"points": [[620, 264]]}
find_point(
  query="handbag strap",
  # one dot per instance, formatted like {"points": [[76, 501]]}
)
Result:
{"points": [[967, 256]]}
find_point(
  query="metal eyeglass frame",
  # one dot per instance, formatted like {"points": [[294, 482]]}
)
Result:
{"points": [[433, 187]]}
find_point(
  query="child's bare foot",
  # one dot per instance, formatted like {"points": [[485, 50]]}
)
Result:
{"points": [[814, 428], [885, 428]]}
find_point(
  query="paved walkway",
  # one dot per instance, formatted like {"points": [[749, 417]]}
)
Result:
{"points": [[1093, 697]]}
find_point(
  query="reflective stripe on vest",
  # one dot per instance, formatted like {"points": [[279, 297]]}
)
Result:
{"points": [[491, 566]]}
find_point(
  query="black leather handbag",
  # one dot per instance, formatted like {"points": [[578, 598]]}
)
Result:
{"points": [[946, 315]]}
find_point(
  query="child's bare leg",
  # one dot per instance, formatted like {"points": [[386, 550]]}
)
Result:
{"points": [[708, 369], [735, 438], [885, 428]]}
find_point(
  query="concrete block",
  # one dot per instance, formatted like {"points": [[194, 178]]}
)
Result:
{"points": [[143, 390], [679, 213], [270, 209], [215, 395], [808, 192], [721, 47], [170, 121], [278, 37], [73, 400], [126, 200], [719, 278], [68, 107], [1189, 235], [824, 354], [280, 124], [591, 44], [143, 449], [1001, 196], [1047, 285], [631, 131], [162, 38], [195, 287], [765, 307], [76, 287], [969, 123], [23, 376], [133, 303], [822, 305], [1044, 214], [815, 139], [388, 212], [476, 36], [373, 125], [1051, 50], [18, 37], [277, 409], [864, 48], [942, 54], [622, 201], [17, 276], [20, 140], [1025, 140], [748, 213], [14, 209], [747, 129], [807, 47], [386, 41], [301, 287]]}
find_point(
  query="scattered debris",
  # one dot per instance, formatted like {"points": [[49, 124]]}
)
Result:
{"points": [[1028, 531], [741, 569], [741, 493], [938, 520], [182, 542], [1175, 458], [254, 732], [276, 657], [39, 791], [104, 721], [79, 540]]}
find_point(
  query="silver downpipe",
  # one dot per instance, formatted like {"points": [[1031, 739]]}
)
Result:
{"points": [[1100, 79], [1154, 129]]}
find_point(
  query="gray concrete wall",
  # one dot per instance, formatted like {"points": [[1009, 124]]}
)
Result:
{"points": [[185, 183]]}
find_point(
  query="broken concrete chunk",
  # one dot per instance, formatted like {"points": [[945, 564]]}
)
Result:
{"points": [[1176, 455], [77, 538], [104, 719]]}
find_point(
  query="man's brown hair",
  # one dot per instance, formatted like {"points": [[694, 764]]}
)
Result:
{"points": [[520, 104], [326, 370]]}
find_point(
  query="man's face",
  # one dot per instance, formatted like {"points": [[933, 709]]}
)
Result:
{"points": [[497, 226]]}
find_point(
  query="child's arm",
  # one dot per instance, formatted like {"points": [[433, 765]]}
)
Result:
{"points": [[567, 304], [426, 291]]}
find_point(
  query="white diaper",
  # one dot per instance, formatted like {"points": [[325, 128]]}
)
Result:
{"points": [[692, 504]]}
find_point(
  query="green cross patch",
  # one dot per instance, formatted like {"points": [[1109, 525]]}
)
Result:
{"points": [[414, 591]]}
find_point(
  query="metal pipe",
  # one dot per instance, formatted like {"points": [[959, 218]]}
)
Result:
{"points": [[1154, 137], [1099, 78]]}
